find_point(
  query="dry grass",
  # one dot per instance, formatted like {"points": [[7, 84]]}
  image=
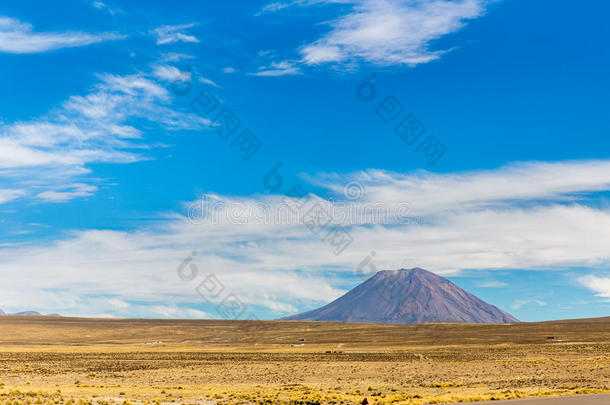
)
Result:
{"points": [[57, 360]]}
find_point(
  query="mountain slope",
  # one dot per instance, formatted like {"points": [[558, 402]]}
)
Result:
{"points": [[24, 313], [407, 296]]}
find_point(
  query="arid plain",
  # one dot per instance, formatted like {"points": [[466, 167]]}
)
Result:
{"points": [[46, 360]]}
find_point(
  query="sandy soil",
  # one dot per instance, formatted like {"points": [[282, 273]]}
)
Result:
{"points": [[62, 360]]}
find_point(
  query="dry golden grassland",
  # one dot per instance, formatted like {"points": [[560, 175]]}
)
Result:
{"points": [[86, 361]]}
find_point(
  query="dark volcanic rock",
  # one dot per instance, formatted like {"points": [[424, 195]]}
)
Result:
{"points": [[407, 296]]}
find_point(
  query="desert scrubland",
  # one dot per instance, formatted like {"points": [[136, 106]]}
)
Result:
{"points": [[45, 360]]}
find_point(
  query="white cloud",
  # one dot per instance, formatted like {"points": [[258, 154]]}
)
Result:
{"points": [[195, 313], [205, 80], [529, 302], [167, 311], [9, 195], [391, 32], [46, 158], [99, 5], [103, 6], [524, 216], [283, 68], [278, 5], [386, 32], [176, 57], [491, 284], [169, 34], [430, 193], [170, 73], [120, 304], [272, 7], [229, 69], [599, 285], [68, 192], [18, 37]]}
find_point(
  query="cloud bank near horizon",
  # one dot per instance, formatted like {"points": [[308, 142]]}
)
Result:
{"points": [[535, 215]]}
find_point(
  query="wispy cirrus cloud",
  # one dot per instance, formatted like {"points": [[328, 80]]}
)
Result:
{"points": [[523, 216], [283, 68], [10, 194], [528, 302], [282, 5], [169, 34], [170, 73], [385, 32], [67, 192], [105, 7], [391, 32], [47, 158], [492, 284], [509, 185], [20, 38]]}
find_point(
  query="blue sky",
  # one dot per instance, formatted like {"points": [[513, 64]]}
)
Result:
{"points": [[111, 172]]}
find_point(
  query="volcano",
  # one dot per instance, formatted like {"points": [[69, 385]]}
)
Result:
{"points": [[405, 297]]}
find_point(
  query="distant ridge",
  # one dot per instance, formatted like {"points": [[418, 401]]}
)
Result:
{"points": [[405, 297], [26, 313]]}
